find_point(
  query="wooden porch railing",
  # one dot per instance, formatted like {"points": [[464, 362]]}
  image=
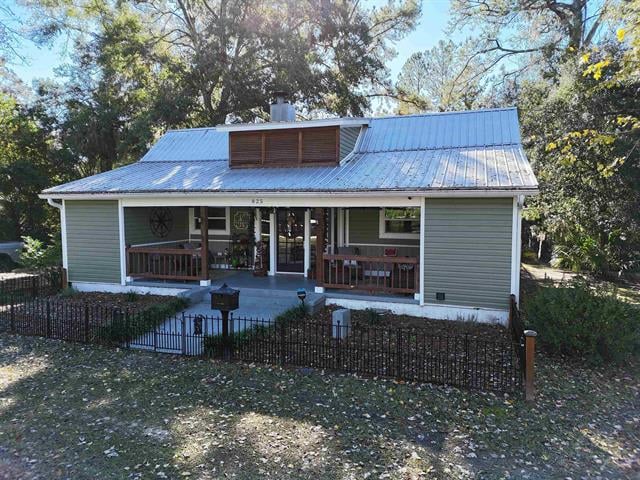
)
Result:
{"points": [[164, 263], [385, 274]]}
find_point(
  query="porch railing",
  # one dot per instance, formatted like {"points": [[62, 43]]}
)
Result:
{"points": [[384, 274], [164, 263]]}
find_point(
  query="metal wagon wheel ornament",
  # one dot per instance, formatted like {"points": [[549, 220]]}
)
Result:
{"points": [[161, 221]]}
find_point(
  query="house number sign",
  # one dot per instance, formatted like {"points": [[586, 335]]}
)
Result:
{"points": [[257, 201]]}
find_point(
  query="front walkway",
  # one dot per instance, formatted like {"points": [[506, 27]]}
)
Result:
{"points": [[262, 298], [263, 303]]}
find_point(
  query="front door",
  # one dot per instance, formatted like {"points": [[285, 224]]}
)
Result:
{"points": [[290, 246]]}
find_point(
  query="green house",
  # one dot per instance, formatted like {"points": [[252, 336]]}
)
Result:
{"points": [[416, 214]]}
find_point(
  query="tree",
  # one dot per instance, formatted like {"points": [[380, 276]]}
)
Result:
{"points": [[582, 137], [121, 91], [233, 54], [446, 77], [537, 33], [28, 164]]}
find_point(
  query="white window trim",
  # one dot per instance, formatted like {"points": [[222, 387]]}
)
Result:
{"points": [[384, 234], [196, 231]]}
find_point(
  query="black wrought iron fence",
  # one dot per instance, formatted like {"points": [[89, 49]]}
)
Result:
{"points": [[30, 285], [409, 354]]}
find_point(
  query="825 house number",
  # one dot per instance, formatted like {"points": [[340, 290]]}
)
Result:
{"points": [[257, 201]]}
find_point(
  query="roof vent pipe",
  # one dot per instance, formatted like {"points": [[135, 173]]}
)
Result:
{"points": [[281, 109]]}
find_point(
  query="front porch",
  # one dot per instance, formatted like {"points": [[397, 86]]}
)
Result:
{"points": [[360, 250]]}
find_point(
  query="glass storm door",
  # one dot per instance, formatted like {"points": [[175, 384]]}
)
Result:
{"points": [[290, 247]]}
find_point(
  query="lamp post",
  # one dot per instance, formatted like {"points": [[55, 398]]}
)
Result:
{"points": [[225, 299], [302, 294]]}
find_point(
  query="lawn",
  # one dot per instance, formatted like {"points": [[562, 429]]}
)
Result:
{"points": [[81, 412]]}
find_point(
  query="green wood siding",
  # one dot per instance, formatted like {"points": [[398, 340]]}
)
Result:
{"points": [[348, 139], [467, 252], [137, 229], [93, 244], [364, 227]]}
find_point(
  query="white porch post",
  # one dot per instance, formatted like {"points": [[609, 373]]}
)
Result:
{"points": [[257, 230], [340, 227], [273, 242], [346, 227], [123, 246], [332, 230], [307, 241], [420, 295]]}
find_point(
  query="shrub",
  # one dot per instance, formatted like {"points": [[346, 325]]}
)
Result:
{"points": [[213, 343], [126, 327], [132, 296], [68, 292], [36, 254], [579, 319], [6, 263]]}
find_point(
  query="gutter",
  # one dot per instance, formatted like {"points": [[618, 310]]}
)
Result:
{"points": [[51, 202], [355, 193]]}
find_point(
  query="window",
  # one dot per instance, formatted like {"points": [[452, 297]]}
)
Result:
{"points": [[400, 222], [218, 218]]}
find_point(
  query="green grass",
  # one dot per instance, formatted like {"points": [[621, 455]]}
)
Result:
{"points": [[84, 412]]}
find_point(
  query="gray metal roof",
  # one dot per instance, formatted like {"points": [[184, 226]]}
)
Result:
{"points": [[465, 150], [474, 128], [191, 145]]}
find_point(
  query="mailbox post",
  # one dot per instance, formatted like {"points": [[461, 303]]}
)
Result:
{"points": [[225, 299]]}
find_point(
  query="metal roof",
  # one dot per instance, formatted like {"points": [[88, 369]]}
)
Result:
{"points": [[477, 150], [474, 128], [415, 170], [195, 144]]}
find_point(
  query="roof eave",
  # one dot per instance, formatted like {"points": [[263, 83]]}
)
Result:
{"points": [[429, 192]]}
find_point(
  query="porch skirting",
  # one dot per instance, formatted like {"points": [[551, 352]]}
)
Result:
{"points": [[436, 312], [117, 288]]}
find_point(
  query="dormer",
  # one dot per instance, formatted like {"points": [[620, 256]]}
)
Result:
{"points": [[283, 142]]}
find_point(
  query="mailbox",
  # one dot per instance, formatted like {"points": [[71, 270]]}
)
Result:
{"points": [[225, 299]]}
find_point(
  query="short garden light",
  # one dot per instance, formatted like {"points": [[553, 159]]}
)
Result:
{"points": [[302, 294]]}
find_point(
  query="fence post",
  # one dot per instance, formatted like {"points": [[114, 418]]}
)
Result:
{"points": [[466, 360], [338, 345], [282, 346], [127, 328], [86, 323], [48, 320], [512, 309], [155, 335], [183, 335], [34, 286], [12, 316], [529, 374], [398, 353]]}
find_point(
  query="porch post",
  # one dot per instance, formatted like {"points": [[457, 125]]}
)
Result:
{"points": [[257, 230], [273, 242], [320, 234], [204, 247], [307, 241], [340, 228]]}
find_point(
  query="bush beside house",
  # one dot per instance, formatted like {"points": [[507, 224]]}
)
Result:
{"points": [[583, 320]]}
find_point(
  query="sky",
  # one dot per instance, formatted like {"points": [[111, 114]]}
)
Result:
{"points": [[41, 62]]}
